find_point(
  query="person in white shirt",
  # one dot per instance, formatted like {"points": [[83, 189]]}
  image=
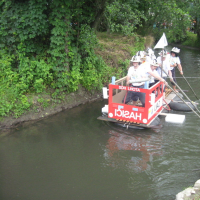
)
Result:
{"points": [[164, 67], [138, 72], [150, 55], [175, 62], [154, 65]]}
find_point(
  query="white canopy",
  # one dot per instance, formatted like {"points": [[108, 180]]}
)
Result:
{"points": [[162, 42]]}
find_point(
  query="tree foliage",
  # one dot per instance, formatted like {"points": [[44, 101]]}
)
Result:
{"points": [[123, 17], [194, 10], [50, 44], [134, 16]]}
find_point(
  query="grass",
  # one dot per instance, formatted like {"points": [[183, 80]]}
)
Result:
{"points": [[117, 50], [191, 40]]}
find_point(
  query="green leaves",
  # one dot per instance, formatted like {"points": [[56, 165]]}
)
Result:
{"points": [[52, 46], [23, 22], [123, 18]]}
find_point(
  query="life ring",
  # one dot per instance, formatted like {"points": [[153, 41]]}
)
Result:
{"points": [[181, 106]]}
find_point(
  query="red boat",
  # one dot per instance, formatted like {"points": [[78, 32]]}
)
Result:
{"points": [[129, 115]]}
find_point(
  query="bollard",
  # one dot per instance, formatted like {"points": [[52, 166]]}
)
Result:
{"points": [[113, 80], [146, 85]]}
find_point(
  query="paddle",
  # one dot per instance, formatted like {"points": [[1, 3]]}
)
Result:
{"points": [[183, 100], [181, 97], [190, 87]]}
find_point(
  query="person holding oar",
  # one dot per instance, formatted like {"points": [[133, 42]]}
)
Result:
{"points": [[164, 65], [175, 62], [154, 65]]}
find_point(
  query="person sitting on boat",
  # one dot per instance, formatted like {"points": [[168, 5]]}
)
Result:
{"points": [[175, 62], [147, 65], [154, 65], [135, 78], [164, 67]]}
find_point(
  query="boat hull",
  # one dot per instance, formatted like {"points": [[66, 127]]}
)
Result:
{"points": [[153, 124]]}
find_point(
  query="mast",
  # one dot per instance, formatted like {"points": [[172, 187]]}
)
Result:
{"points": [[161, 45]]}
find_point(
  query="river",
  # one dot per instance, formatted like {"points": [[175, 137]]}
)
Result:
{"points": [[74, 156]]}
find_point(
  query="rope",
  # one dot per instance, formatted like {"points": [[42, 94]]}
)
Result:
{"points": [[187, 77]]}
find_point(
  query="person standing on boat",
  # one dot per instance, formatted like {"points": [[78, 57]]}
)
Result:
{"points": [[136, 74], [175, 62], [164, 64]]}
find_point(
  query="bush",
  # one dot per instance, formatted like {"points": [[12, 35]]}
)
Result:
{"points": [[191, 40]]}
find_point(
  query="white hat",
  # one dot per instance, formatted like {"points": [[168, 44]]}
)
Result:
{"points": [[175, 50], [154, 63], [135, 59], [163, 53], [142, 54], [150, 52]]}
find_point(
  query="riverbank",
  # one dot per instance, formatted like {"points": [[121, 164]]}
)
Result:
{"points": [[81, 96], [116, 51], [190, 42], [191, 193]]}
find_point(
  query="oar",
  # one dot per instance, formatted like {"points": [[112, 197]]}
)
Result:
{"points": [[186, 97], [190, 87], [183, 100], [182, 92]]}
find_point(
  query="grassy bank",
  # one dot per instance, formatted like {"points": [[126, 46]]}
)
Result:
{"points": [[114, 49], [191, 40], [117, 50]]}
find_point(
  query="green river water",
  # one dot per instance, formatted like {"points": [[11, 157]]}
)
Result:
{"points": [[74, 156]]}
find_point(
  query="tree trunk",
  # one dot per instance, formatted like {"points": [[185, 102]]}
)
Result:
{"points": [[101, 8]]}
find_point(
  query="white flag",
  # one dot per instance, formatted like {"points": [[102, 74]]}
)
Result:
{"points": [[162, 42]]}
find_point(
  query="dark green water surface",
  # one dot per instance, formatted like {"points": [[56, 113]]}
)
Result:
{"points": [[74, 156]]}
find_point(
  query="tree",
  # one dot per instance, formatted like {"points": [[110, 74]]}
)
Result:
{"points": [[123, 17], [194, 10], [60, 32]]}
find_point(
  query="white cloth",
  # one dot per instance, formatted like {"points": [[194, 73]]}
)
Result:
{"points": [[174, 60], [166, 67]]}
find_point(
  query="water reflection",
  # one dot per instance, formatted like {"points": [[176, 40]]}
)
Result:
{"points": [[132, 151]]}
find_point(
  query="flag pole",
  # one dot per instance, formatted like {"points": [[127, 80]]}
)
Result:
{"points": [[160, 45]]}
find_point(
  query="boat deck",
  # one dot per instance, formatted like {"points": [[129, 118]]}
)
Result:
{"points": [[169, 95]]}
